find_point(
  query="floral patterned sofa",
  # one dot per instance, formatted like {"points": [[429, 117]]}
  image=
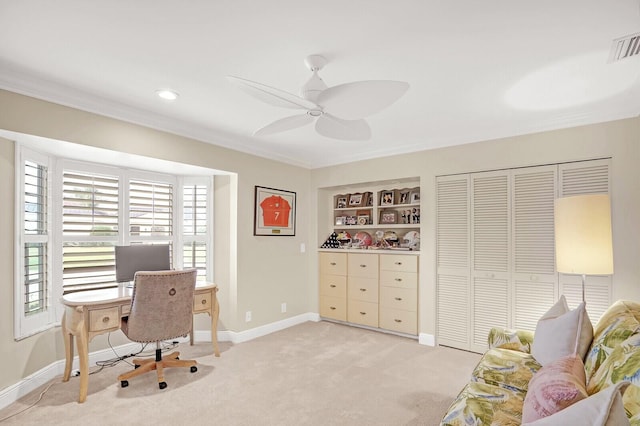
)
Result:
{"points": [[498, 387]]}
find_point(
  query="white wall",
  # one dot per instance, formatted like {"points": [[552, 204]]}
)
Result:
{"points": [[619, 140]]}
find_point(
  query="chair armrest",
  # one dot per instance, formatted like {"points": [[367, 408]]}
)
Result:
{"points": [[517, 340]]}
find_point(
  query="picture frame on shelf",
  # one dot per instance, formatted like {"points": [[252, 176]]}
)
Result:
{"points": [[357, 200], [341, 201], [386, 198], [363, 220], [340, 220], [388, 217], [414, 197], [404, 196], [274, 212], [351, 220]]}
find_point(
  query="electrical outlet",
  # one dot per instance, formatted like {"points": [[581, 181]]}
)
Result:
{"points": [[283, 308], [247, 316]]}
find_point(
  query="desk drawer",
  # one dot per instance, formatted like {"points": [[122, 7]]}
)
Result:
{"points": [[104, 319], [364, 313], [202, 302]]}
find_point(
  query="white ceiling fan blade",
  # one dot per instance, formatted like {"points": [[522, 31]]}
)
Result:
{"points": [[271, 95], [284, 124], [348, 130], [360, 99]]}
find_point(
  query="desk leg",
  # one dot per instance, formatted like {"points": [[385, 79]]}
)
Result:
{"points": [[214, 325], [68, 349], [82, 341]]}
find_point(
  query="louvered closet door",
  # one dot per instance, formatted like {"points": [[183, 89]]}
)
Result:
{"points": [[535, 282], [490, 248], [452, 252], [587, 177]]}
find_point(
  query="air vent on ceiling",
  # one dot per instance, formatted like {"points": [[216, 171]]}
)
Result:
{"points": [[624, 47]]}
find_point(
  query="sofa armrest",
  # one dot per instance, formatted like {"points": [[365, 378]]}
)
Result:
{"points": [[517, 340]]}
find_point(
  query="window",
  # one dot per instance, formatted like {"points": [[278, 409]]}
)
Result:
{"points": [[195, 221], [90, 229], [33, 290], [73, 214]]}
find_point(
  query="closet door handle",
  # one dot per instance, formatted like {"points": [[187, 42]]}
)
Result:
{"points": [[333, 308], [397, 320], [398, 263], [398, 279], [332, 285], [333, 264], [363, 313], [363, 266], [398, 298], [363, 289]]}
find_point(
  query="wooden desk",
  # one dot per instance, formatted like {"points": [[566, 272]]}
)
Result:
{"points": [[90, 313]]}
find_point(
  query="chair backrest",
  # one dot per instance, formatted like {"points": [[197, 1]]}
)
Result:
{"points": [[161, 305]]}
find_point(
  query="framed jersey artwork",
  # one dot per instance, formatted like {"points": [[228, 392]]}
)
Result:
{"points": [[275, 212]]}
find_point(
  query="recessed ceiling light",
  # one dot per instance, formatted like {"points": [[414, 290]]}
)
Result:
{"points": [[167, 94]]}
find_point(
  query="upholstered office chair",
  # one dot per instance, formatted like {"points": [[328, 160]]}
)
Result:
{"points": [[161, 309]]}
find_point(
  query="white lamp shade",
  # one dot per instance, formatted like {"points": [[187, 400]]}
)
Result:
{"points": [[583, 235]]}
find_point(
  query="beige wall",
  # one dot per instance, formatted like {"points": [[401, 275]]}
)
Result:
{"points": [[266, 271], [619, 140], [270, 270]]}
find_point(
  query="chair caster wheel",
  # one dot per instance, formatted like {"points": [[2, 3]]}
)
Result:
{"points": [[124, 383], [194, 369], [162, 385]]}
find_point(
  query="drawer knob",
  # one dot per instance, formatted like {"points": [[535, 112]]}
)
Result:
{"points": [[105, 320], [397, 320], [398, 298], [398, 263], [363, 266], [332, 285], [333, 308], [333, 263], [363, 289], [204, 301], [398, 279], [363, 313]]}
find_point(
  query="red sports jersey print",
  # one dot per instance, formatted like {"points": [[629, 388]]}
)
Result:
{"points": [[275, 211]]}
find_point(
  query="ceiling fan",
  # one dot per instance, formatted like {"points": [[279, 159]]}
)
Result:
{"points": [[338, 111]]}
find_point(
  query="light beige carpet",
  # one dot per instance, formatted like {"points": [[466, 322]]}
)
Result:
{"points": [[311, 374]]}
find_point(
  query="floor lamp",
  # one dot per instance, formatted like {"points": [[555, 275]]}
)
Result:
{"points": [[583, 236]]}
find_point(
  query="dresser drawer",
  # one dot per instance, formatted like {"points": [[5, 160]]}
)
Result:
{"points": [[363, 265], [333, 285], [364, 313], [399, 279], [333, 307], [364, 289], [399, 320], [333, 263], [398, 298], [399, 262], [104, 319], [202, 302]]}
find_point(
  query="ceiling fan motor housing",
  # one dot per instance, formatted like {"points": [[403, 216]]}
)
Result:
{"points": [[313, 87]]}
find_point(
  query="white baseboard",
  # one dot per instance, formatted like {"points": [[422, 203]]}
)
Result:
{"points": [[427, 339], [12, 393]]}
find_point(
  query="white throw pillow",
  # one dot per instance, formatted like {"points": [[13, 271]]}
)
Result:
{"points": [[600, 409], [561, 332]]}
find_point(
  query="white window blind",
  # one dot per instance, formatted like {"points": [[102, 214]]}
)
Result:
{"points": [[150, 210], [90, 229], [35, 238], [195, 219]]}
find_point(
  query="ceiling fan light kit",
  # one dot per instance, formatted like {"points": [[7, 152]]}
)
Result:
{"points": [[338, 111]]}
